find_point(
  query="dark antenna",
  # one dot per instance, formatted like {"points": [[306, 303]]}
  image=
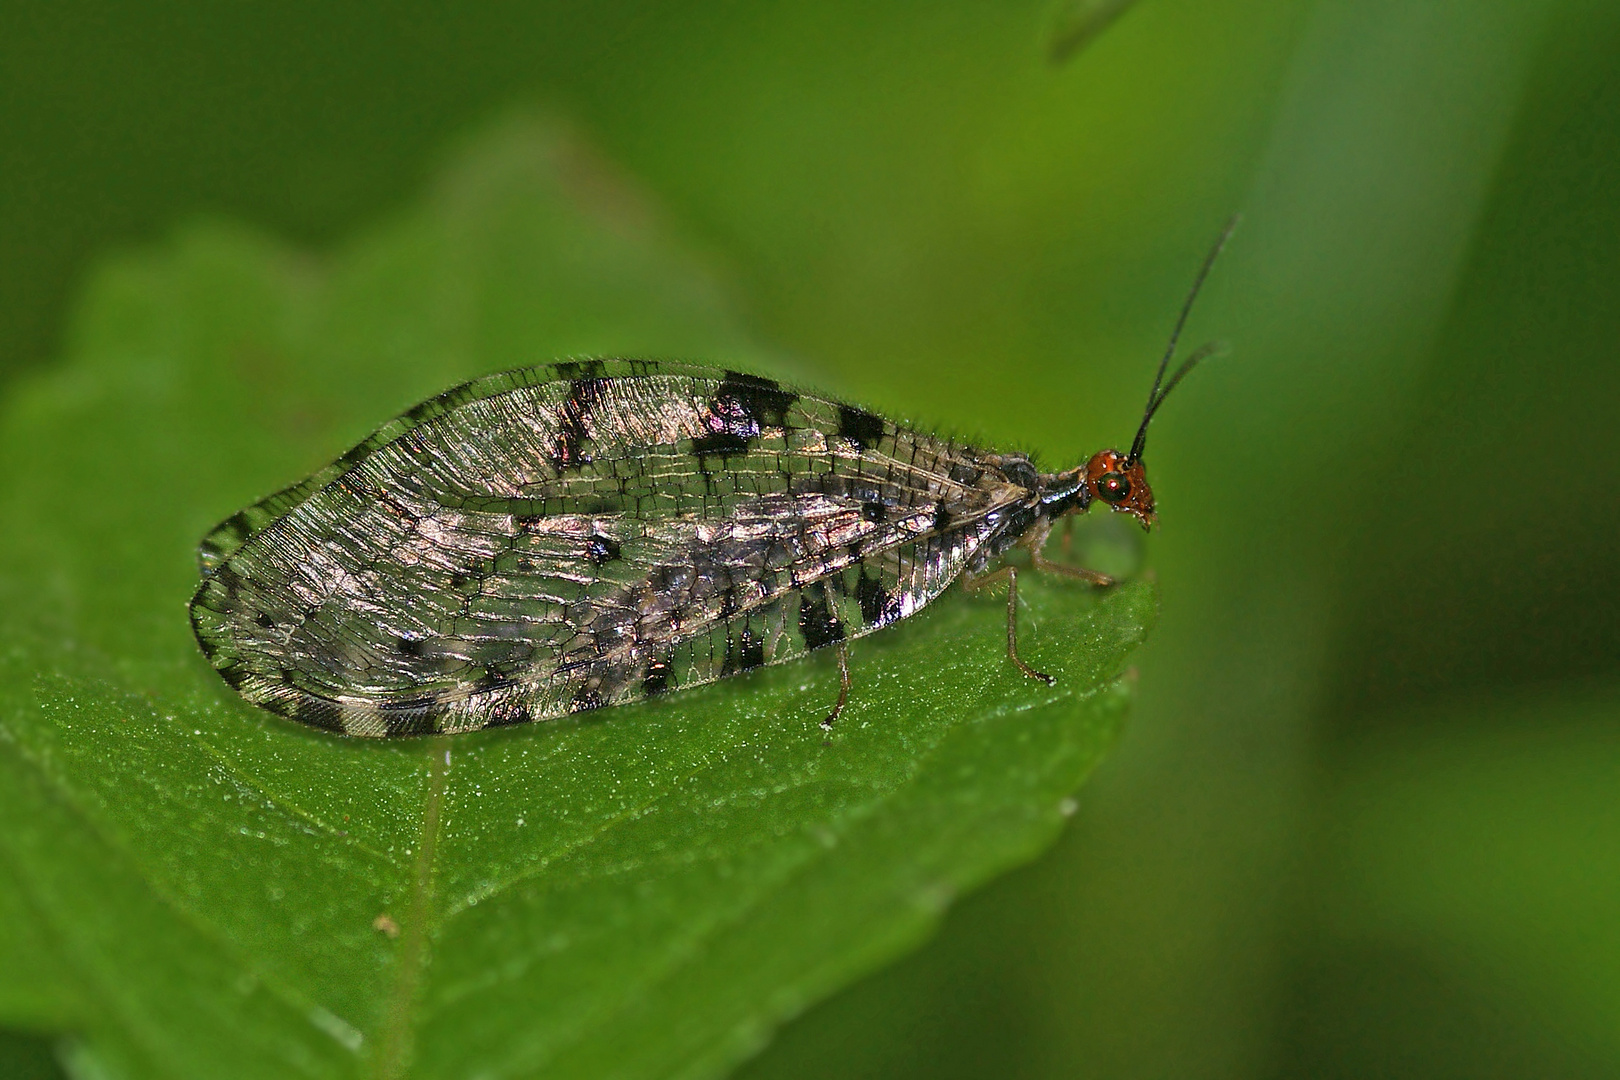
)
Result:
{"points": [[1157, 395]]}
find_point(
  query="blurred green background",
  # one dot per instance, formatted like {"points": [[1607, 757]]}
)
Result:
{"points": [[1364, 821]]}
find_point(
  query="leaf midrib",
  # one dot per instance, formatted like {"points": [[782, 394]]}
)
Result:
{"points": [[397, 1043]]}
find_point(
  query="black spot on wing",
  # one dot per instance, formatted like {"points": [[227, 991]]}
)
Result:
{"points": [[568, 446], [942, 517], [817, 622], [602, 549], [264, 621], [409, 646], [878, 607], [744, 652], [859, 426], [743, 404], [656, 679], [874, 511], [585, 699]]}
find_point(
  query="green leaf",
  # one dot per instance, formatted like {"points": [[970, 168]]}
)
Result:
{"points": [[200, 889]]}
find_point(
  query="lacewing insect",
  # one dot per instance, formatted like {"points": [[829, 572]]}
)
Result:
{"points": [[560, 538]]}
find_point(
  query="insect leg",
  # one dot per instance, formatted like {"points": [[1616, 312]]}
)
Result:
{"points": [[1047, 566], [843, 686], [1036, 542], [1010, 574]]}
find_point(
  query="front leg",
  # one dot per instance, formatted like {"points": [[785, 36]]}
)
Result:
{"points": [[1036, 542]]}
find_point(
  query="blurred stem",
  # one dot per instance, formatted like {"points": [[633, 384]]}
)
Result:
{"points": [[1078, 23]]}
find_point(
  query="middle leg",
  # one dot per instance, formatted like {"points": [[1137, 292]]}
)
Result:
{"points": [[1009, 574]]}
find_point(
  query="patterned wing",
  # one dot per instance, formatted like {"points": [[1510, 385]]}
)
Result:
{"points": [[560, 538]]}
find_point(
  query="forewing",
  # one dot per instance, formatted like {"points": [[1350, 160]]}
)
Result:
{"points": [[560, 538]]}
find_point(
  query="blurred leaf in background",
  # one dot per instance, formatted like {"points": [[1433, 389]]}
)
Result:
{"points": [[1390, 506], [1466, 859]]}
